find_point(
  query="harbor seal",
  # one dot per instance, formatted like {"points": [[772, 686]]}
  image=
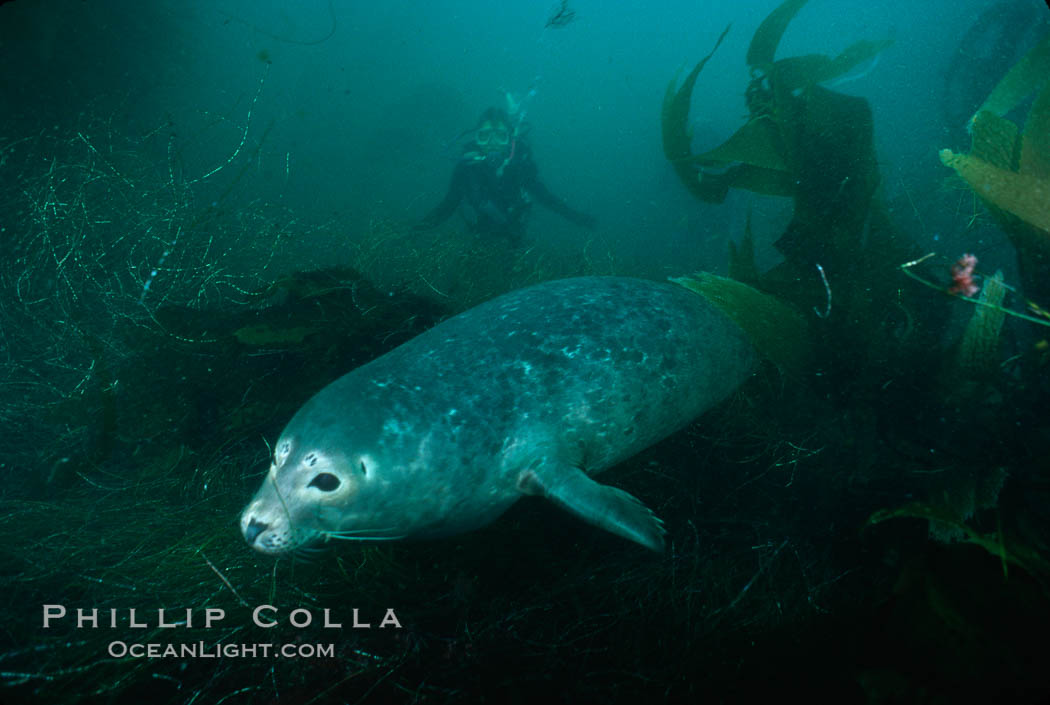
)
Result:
{"points": [[531, 393]]}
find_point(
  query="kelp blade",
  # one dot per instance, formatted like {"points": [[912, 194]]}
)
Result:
{"points": [[766, 39], [675, 120], [1026, 77]]}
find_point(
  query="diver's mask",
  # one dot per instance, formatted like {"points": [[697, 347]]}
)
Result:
{"points": [[492, 138]]}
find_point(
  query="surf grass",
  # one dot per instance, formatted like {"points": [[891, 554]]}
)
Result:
{"points": [[487, 613]]}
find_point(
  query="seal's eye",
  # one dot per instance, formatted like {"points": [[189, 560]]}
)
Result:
{"points": [[326, 482]]}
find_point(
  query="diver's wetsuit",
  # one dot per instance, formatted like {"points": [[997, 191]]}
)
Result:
{"points": [[497, 196]]}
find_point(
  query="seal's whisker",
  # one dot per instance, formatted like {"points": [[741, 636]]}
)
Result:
{"points": [[363, 531], [309, 554], [362, 535], [365, 538]]}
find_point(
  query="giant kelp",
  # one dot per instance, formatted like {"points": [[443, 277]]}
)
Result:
{"points": [[676, 137], [946, 418], [805, 141], [776, 330], [764, 155], [1009, 166], [998, 36], [801, 140]]}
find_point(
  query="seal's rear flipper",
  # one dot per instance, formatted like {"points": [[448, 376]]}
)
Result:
{"points": [[608, 507]]}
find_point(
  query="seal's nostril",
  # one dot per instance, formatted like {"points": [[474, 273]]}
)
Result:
{"points": [[252, 531]]}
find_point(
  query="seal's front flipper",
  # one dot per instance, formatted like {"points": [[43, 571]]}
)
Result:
{"points": [[608, 507]]}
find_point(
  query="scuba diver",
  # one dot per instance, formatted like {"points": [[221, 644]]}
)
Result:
{"points": [[495, 183]]}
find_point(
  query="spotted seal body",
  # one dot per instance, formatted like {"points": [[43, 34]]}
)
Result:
{"points": [[531, 393]]}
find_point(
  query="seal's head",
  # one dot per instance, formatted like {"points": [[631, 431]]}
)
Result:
{"points": [[310, 495]]}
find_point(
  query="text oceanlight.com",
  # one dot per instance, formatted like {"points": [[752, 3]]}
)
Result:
{"points": [[200, 649]]}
